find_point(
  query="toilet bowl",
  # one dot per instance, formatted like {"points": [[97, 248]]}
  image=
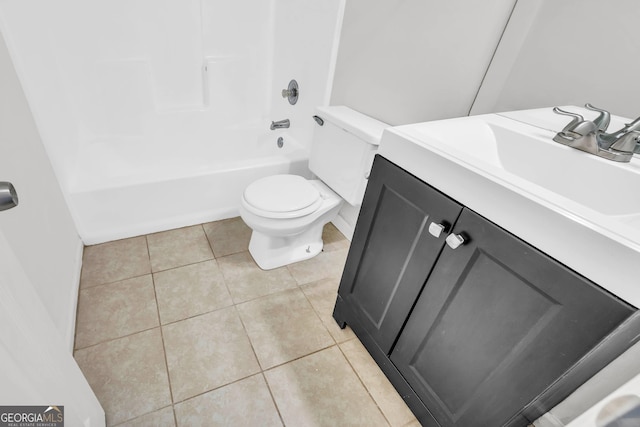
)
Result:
{"points": [[287, 214]]}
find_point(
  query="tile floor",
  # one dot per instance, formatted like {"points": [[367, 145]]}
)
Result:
{"points": [[181, 328]]}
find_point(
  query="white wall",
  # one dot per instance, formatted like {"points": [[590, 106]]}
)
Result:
{"points": [[566, 52], [40, 229], [416, 60], [139, 70], [113, 84], [306, 35], [413, 61], [56, 118]]}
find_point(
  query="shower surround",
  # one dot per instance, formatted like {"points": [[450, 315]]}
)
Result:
{"points": [[155, 114]]}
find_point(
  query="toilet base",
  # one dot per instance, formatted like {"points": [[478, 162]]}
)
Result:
{"points": [[271, 252]]}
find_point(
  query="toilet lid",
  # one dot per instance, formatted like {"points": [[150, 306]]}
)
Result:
{"points": [[282, 196]]}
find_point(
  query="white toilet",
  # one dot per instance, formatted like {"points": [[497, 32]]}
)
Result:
{"points": [[288, 212]]}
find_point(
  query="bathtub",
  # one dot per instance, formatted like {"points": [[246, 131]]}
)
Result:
{"points": [[126, 187]]}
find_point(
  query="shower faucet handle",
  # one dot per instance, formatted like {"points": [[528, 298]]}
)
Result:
{"points": [[291, 92]]}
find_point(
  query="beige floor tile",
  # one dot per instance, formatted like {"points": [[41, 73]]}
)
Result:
{"points": [[326, 265], [113, 261], [162, 418], [228, 236], [115, 310], [389, 401], [128, 375], [283, 327], [206, 352], [322, 390], [322, 295], [244, 403], [333, 239], [413, 423], [191, 290], [175, 248], [247, 281]]}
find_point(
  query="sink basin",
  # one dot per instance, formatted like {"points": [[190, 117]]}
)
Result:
{"points": [[581, 209], [511, 149]]}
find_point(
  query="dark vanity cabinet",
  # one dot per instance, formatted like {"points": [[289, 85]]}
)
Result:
{"points": [[491, 333], [394, 252]]}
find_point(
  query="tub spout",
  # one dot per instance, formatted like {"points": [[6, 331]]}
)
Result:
{"points": [[280, 124]]}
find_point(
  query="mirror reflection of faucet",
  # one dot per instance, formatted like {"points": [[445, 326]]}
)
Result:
{"points": [[8, 196], [280, 124], [591, 136]]}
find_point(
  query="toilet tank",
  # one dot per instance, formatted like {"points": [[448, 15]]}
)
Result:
{"points": [[342, 150]]}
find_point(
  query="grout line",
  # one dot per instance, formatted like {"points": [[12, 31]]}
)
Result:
{"points": [[234, 304], [274, 293], [355, 371], [173, 322], [115, 281], [209, 242], [146, 241], [299, 357], [317, 312], [216, 388], [117, 338], [164, 349], [142, 415], [273, 399], [184, 265], [175, 417], [244, 328]]}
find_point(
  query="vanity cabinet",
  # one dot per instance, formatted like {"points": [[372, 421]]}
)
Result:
{"points": [[471, 336], [393, 252]]}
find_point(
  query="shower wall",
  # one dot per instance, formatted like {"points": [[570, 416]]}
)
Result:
{"points": [[109, 76]]}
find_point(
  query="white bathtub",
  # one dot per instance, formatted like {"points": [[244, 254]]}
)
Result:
{"points": [[157, 186]]}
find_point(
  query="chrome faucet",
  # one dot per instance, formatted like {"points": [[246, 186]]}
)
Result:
{"points": [[591, 136], [603, 119], [280, 124], [629, 128]]}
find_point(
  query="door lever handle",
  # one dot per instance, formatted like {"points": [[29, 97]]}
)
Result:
{"points": [[8, 196]]}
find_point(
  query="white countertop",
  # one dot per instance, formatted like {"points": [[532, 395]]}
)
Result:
{"points": [[596, 234]]}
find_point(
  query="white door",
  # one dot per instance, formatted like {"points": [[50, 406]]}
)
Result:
{"points": [[36, 367], [38, 244]]}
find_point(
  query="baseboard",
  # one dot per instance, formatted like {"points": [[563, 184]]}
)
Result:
{"points": [[344, 227], [71, 328], [131, 230]]}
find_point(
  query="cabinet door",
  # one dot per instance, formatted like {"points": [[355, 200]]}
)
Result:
{"points": [[496, 324], [392, 251]]}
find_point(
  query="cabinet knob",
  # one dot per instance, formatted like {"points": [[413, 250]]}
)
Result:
{"points": [[436, 229], [454, 240]]}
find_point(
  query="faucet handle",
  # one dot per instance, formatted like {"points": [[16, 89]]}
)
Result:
{"points": [[628, 142], [577, 118], [291, 92], [603, 119], [578, 126]]}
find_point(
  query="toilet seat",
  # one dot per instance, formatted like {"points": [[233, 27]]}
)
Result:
{"points": [[281, 196]]}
